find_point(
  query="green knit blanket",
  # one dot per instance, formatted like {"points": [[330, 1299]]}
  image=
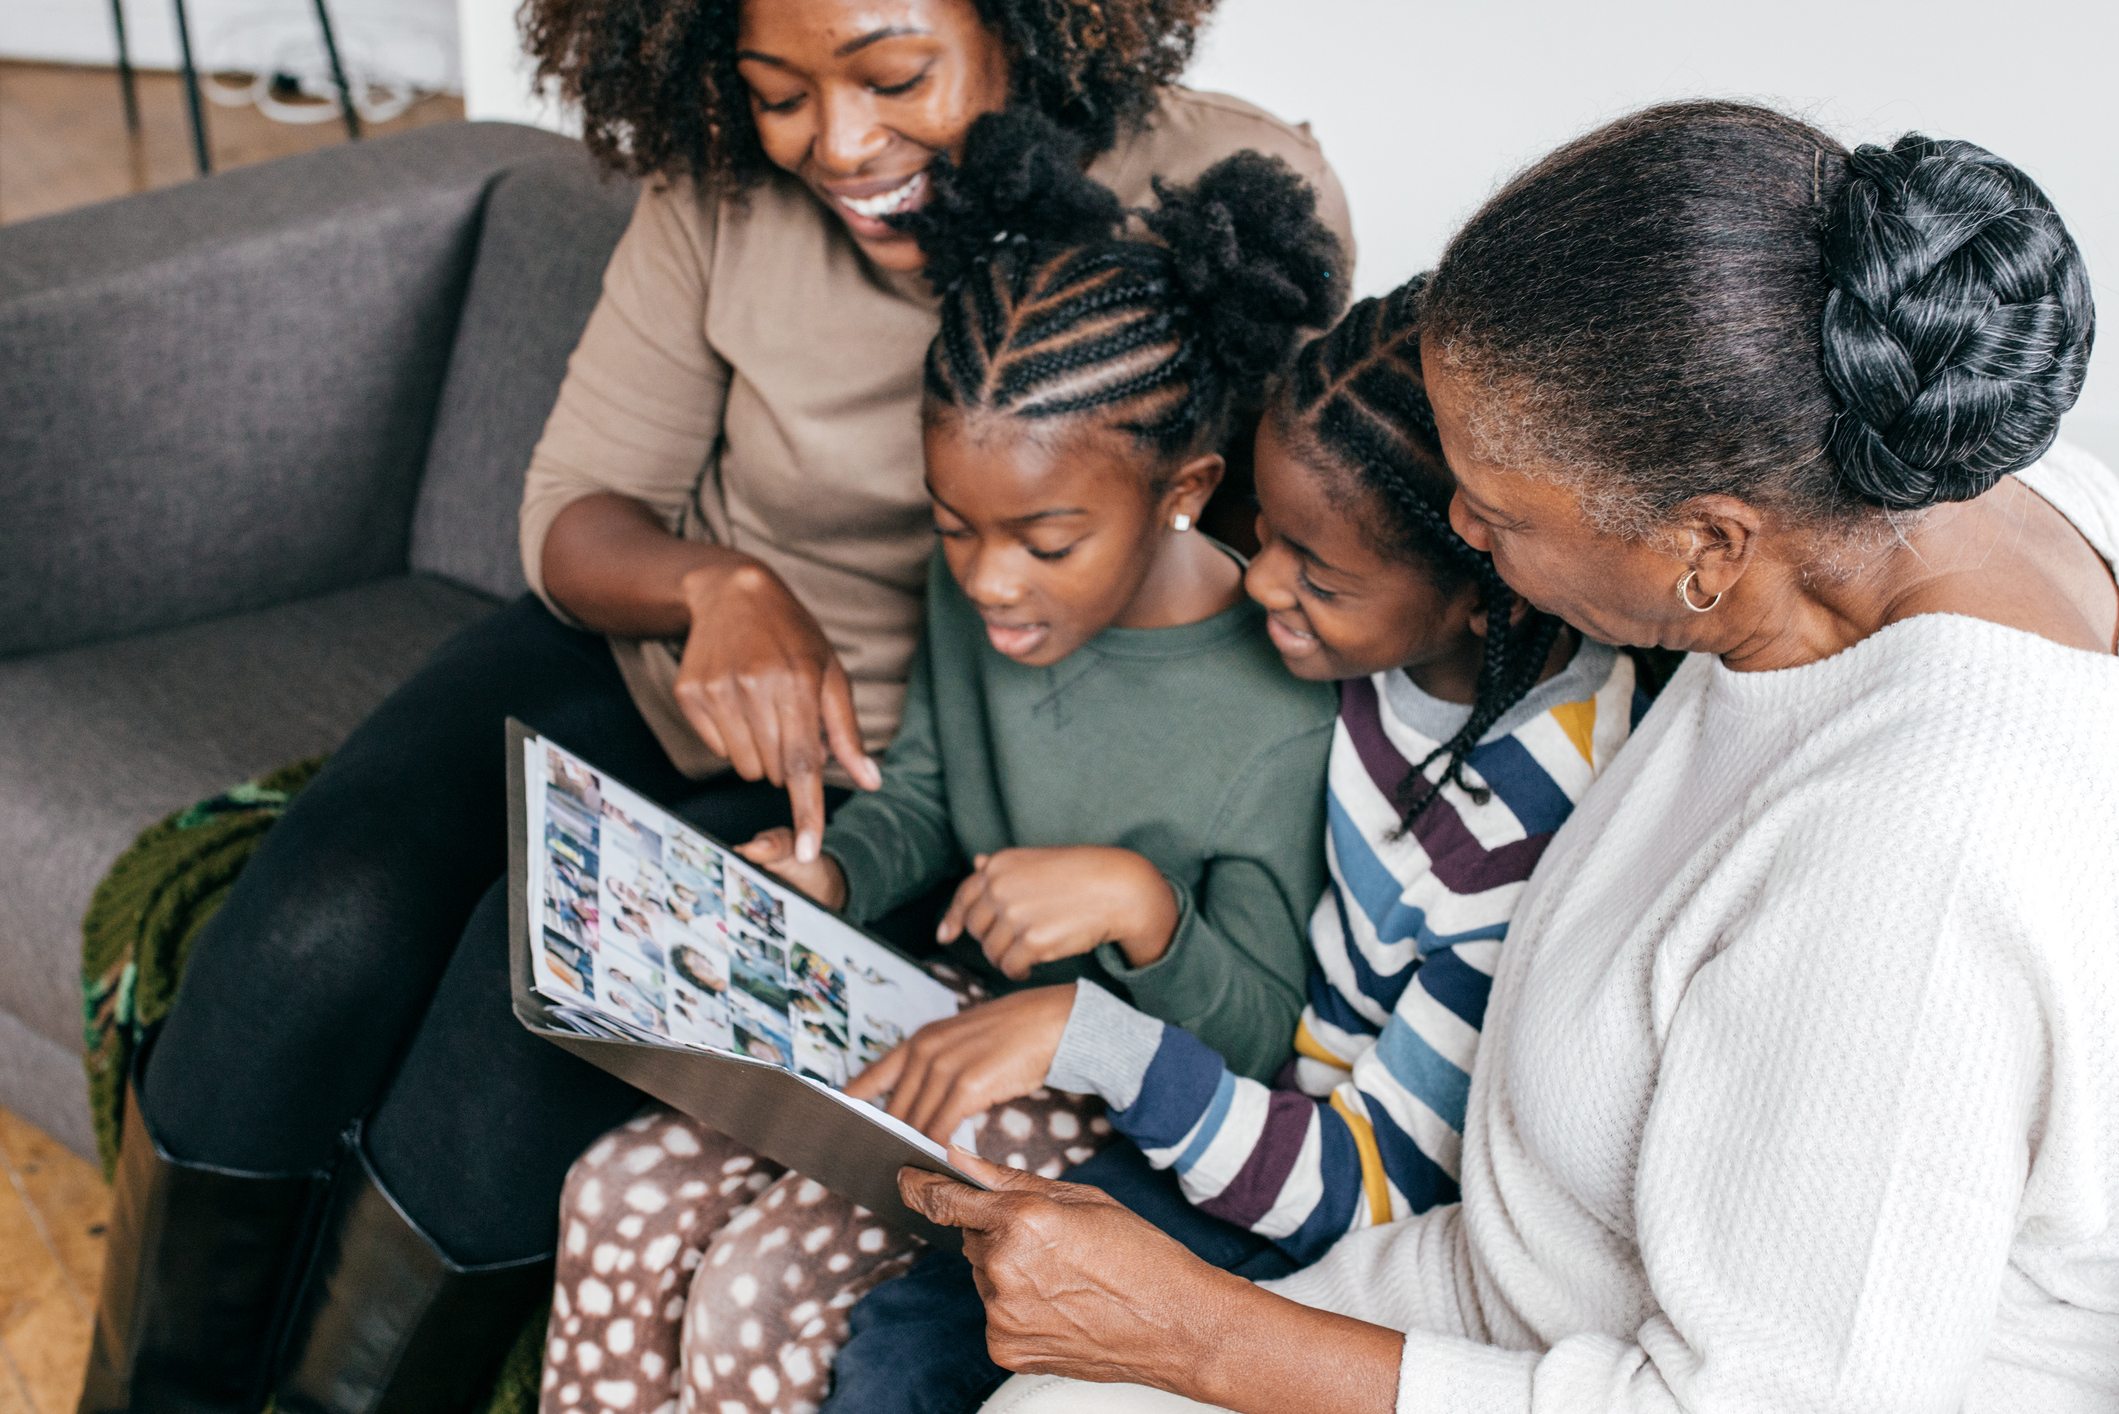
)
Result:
{"points": [[135, 940], [142, 920]]}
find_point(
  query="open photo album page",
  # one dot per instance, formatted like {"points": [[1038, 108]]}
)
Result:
{"points": [[641, 919]]}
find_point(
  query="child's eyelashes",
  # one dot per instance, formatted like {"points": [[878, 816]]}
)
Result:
{"points": [[1315, 590], [1036, 552]]}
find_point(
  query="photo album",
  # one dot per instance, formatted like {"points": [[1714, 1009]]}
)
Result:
{"points": [[657, 953]]}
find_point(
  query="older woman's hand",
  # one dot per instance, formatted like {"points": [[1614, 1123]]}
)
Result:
{"points": [[1076, 1285]]}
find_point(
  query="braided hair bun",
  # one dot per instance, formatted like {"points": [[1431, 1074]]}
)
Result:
{"points": [[1958, 325], [1054, 305]]}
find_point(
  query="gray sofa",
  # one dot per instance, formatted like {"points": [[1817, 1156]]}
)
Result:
{"points": [[261, 442]]}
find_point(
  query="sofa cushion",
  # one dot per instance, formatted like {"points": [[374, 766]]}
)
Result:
{"points": [[218, 396], [103, 741], [549, 228]]}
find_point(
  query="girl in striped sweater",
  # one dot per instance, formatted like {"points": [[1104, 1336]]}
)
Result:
{"points": [[1469, 725]]}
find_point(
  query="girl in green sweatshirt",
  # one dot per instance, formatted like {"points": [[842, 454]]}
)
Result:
{"points": [[1098, 729]]}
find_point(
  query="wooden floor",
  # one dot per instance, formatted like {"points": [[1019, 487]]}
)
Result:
{"points": [[53, 1207], [63, 141]]}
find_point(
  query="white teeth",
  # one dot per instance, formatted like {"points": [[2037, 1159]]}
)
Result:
{"points": [[886, 203]]}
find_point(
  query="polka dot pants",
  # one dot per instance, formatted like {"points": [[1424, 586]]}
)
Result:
{"points": [[697, 1276]]}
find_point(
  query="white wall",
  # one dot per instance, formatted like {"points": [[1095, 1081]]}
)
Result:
{"points": [[1424, 107], [497, 74]]}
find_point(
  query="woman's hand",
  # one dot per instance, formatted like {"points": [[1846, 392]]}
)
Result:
{"points": [[821, 878], [758, 681], [953, 1069], [763, 688], [1027, 906], [1077, 1285]]}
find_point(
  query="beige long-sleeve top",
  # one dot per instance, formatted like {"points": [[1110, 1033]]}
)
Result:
{"points": [[751, 378]]}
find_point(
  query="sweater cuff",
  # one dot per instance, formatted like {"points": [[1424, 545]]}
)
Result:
{"points": [[1444, 1374], [1106, 1048], [1165, 969], [865, 875]]}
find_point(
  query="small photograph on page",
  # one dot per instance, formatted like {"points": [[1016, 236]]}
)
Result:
{"points": [[816, 1057], [819, 998], [573, 780], [622, 831], [571, 963], [696, 883], [759, 969], [628, 925], [702, 1018], [760, 1034], [756, 909], [569, 903], [571, 843], [701, 968], [633, 990]]}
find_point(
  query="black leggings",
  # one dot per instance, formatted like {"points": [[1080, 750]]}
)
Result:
{"points": [[359, 967]]}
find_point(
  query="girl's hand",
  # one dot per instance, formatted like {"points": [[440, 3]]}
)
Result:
{"points": [[1077, 1285], [953, 1069], [763, 688], [821, 878], [1027, 906]]}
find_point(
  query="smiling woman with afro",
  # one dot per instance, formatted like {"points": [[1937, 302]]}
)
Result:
{"points": [[659, 90]]}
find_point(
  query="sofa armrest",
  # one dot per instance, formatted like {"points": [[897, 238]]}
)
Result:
{"points": [[218, 396]]}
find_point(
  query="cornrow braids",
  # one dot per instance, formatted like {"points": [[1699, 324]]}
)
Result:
{"points": [[660, 96], [1357, 397], [1051, 309]]}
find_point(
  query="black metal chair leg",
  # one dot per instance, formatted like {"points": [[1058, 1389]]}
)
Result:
{"points": [[191, 94], [125, 82], [338, 74]]}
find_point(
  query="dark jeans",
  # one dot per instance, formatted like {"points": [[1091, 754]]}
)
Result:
{"points": [[918, 1343], [359, 968]]}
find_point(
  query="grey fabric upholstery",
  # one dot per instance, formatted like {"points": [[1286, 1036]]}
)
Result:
{"points": [[103, 741], [549, 229], [218, 396], [232, 412]]}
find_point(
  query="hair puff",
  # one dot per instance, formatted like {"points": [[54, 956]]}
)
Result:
{"points": [[1021, 178], [1958, 326], [1254, 261]]}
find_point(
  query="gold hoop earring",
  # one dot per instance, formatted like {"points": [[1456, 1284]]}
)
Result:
{"points": [[1685, 594]]}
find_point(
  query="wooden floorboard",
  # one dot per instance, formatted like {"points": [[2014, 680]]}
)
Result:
{"points": [[53, 1211], [63, 141]]}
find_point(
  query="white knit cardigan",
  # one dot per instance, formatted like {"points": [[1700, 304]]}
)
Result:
{"points": [[1800, 1080]]}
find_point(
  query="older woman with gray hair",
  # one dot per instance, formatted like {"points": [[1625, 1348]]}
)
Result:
{"points": [[1800, 1080]]}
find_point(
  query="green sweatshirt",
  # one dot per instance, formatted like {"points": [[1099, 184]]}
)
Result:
{"points": [[1191, 746]]}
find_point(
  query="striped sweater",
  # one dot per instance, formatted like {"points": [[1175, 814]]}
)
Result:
{"points": [[1366, 1124]]}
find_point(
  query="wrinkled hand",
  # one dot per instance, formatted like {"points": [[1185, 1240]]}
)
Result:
{"points": [[821, 878], [1027, 906], [961, 1066], [763, 688], [1074, 1283]]}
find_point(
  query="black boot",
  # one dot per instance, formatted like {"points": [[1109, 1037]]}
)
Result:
{"points": [[386, 1323], [196, 1277]]}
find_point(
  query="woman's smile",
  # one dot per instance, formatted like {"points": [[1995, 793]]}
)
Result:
{"points": [[864, 205]]}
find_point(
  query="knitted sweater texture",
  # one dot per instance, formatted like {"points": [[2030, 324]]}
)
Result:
{"points": [[1799, 1088]]}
